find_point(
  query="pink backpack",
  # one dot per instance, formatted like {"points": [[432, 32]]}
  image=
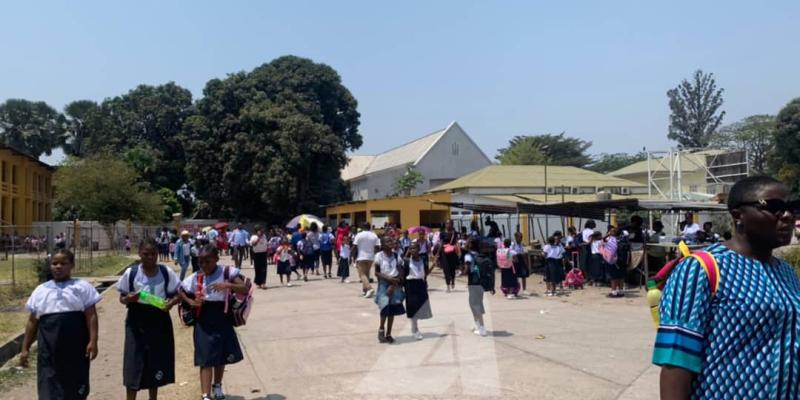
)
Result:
{"points": [[238, 304], [575, 278]]}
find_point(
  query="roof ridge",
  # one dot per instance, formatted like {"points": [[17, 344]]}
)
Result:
{"points": [[415, 140]]}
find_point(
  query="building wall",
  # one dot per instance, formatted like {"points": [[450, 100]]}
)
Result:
{"points": [[25, 189], [408, 209]]}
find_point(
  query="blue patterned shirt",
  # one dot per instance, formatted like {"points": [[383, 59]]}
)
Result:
{"points": [[742, 342]]}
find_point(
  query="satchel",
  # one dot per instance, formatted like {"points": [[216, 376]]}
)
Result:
{"points": [[238, 304], [450, 248], [186, 312]]}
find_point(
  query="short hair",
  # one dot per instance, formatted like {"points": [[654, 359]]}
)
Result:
{"points": [[66, 253], [507, 242], [148, 241], [742, 191], [208, 249], [473, 244], [590, 224], [636, 218]]}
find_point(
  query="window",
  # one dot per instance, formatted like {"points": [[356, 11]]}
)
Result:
{"points": [[4, 172], [454, 149], [13, 174]]}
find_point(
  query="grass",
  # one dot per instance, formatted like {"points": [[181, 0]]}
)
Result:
{"points": [[13, 376]]}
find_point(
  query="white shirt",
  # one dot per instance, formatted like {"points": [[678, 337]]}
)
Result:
{"points": [[587, 233], [344, 252], [416, 269], [517, 248], [596, 246], [366, 241], [259, 243], [190, 283], [150, 284], [54, 297], [387, 265], [556, 251], [690, 229], [423, 245]]}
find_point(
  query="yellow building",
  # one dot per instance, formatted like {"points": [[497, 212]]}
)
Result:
{"points": [[25, 188], [406, 211]]}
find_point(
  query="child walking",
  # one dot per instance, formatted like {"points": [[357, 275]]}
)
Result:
{"points": [[418, 305], [343, 271], [308, 255], [480, 279], [215, 342], [521, 262], [554, 265], [390, 296], [284, 257], [509, 284], [149, 355], [64, 318]]}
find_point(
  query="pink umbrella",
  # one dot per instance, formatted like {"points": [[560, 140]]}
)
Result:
{"points": [[416, 229]]}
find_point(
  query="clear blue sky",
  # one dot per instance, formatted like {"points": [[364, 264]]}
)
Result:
{"points": [[598, 70]]}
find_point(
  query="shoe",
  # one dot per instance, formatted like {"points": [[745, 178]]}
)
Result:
{"points": [[381, 336], [482, 332], [347, 281], [525, 293], [369, 293], [305, 279], [389, 339], [289, 285], [418, 335], [217, 390], [510, 296], [205, 397], [475, 330], [448, 289]]}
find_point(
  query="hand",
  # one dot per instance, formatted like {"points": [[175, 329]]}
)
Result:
{"points": [[390, 291], [169, 306], [91, 350], [220, 286], [131, 298], [195, 302], [493, 292], [23, 359]]}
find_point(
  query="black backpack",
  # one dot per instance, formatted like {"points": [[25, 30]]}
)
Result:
{"points": [[486, 270], [623, 252], [135, 270]]}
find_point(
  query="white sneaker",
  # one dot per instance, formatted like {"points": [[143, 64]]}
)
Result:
{"points": [[448, 289], [418, 335], [509, 296], [482, 331], [218, 394], [369, 294], [525, 293], [289, 285], [347, 281]]}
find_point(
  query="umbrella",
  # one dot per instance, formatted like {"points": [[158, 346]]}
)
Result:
{"points": [[416, 229], [305, 221], [221, 225], [206, 229]]}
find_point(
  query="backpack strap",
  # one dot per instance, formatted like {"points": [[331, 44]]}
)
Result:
{"points": [[710, 266], [225, 278], [131, 277], [165, 275]]}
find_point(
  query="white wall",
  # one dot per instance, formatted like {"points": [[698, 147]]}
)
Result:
{"points": [[442, 163]]}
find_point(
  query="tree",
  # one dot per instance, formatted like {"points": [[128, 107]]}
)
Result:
{"points": [[755, 134], [31, 127], [104, 189], [82, 120], [169, 203], [695, 110], [407, 182], [539, 149], [271, 142], [605, 163], [787, 134]]}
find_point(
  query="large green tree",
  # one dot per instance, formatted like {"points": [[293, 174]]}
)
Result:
{"points": [[605, 163], [549, 148], [695, 110], [787, 137], [84, 120], [755, 134], [271, 142], [32, 127]]}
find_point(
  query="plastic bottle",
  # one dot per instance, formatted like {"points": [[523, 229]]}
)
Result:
{"points": [[653, 299], [153, 300]]}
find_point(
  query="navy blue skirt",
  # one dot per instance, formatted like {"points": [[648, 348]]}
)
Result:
{"points": [[554, 271], [215, 341]]}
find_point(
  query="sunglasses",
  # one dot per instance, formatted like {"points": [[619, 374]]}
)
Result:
{"points": [[776, 207]]}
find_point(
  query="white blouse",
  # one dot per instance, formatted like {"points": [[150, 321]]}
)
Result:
{"points": [[387, 265], [190, 283], [54, 297], [416, 269], [151, 284]]}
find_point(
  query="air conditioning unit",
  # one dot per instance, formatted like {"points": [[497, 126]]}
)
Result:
{"points": [[551, 190], [625, 191], [575, 190], [603, 196]]}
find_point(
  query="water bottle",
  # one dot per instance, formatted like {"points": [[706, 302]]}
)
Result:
{"points": [[653, 299]]}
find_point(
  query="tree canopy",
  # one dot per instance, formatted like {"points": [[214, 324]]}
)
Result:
{"points": [[787, 135], [755, 134], [605, 163], [104, 189], [32, 127], [408, 181], [271, 142], [549, 148], [695, 108]]}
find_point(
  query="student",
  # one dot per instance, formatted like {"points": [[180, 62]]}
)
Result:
{"points": [[312, 238], [183, 252], [418, 305], [405, 243], [260, 245], [343, 271], [597, 270], [127, 245], [215, 342], [480, 279], [326, 244], [509, 283], [584, 248], [284, 257], [366, 244], [448, 255], [554, 265], [389, 298], [520, 258], [424, 248], [615, 272], [63, 315], [149, 355], [308, 255]]}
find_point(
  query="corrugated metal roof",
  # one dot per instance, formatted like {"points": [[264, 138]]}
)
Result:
{"points": [[689, 163], [408, 153], [529, 176]]}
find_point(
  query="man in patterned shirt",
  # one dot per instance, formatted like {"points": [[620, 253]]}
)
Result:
{"points": [[742, 341]]}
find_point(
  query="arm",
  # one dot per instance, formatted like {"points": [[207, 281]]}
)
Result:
{"points": [[30, 331], [676, 383], [91, 324], [236, 285], [185, 297]]}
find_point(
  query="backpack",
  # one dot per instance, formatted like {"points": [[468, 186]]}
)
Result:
{"points": [[706, 260], [186, 313], [623, 253], [326, 242], [483, 271], [307, 248], [164, 274], [238, 304]]}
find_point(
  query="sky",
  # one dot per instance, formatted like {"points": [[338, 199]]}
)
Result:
{"points": [[598, 70]]}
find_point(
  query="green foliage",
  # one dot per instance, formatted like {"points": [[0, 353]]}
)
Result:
{"points": [[104, 189], [271, 142], [407, 182], [605, 163], [32, 127], [83, 118], [792, 256], [41, 267], [695, 110], [540, 149], [756, 134], [787, 136], [169, 202]]}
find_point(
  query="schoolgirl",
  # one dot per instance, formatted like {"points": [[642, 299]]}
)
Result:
{"points": [[215, 342], [612, 268], [388, 270], [343, 271], [326, 244], [284, 257], [149, 354], [554, 265], [480, 279], [64, 318], [308, 255], [424, 248], [521, 262], [509, 284], [418, 305], [597, 271]]}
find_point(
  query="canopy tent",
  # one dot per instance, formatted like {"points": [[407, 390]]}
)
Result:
{"points": [[480, 208], [597, 209]]}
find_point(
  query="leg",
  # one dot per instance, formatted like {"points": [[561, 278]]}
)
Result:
{"points": [[184, 267], [219, 371], [389, 323], [130, 394], [205, 380], [524, 284], [153, 393], [414, 325]]}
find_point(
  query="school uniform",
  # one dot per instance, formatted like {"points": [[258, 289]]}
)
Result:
{"points": [[520, 266], [326, 242], [509, 283], [343, 271], [284, 261], [596, 264], [306, 248], [554, 266], [390, 266], [215, 341], [260, 246], [149, 355], [62, 366], [417, 302], [424, 246]]}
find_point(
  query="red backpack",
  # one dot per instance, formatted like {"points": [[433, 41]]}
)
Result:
{"points": [[704, 258], [238, 304]]}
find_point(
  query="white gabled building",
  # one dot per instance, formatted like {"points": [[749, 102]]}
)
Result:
{"points": [[440, 157]]}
